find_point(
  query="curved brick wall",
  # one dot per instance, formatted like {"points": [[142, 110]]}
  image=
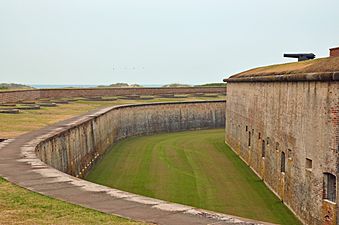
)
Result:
{"points": [[28, 95], [74, 148], [73, 145]]}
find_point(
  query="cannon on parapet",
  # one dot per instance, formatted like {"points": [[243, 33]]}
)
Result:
{"points": [[301, 56]]}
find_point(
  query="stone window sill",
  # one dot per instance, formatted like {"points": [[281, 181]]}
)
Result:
{"points": [[330, 202]]}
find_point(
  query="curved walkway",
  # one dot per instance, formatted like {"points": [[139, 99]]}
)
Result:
{"points": [[19, 165]]}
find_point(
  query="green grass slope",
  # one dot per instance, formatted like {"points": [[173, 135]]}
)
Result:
{"points": [[194, 168], [20, 206]]}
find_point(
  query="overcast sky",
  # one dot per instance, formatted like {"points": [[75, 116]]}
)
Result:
{"points": [[156, 41]]}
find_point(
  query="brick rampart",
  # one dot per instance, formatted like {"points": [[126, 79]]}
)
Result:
{"points": [[20, 95], [29, 95]]}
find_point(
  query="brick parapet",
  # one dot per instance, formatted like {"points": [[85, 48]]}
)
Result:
{"points": [[29, 95]]}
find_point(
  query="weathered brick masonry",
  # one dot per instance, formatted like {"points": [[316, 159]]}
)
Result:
{"points": [[15, 96], [74, 149], [334, 52], [29, 95], [286, 128]]}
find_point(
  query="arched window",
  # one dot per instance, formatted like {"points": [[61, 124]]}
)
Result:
{"points": [[282, 162], [329, 187], [249, 139], [263, 149]]}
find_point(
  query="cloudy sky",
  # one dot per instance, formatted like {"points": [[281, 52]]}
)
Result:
{"points": [[156, 41]]}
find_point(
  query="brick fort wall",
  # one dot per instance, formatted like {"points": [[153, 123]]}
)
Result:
{"points": [[29, 95], [288, 133]]}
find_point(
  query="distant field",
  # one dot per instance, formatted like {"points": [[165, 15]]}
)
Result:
{"points": [[194, 168]]}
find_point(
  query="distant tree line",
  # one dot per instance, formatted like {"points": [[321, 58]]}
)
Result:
{"points": [[116, 85], [212, 85], [5, 86], [200, 85], [122, 85]]}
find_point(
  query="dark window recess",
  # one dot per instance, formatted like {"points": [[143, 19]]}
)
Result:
{"points": [[259, 136], [282, 162], [290, 153], [249, 139], [246, 128], [263, 149], [268, 141], [329, 187], [308, 163], [277, 146]]}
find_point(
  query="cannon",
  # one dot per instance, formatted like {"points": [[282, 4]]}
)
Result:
{"points": [[301, 56]]}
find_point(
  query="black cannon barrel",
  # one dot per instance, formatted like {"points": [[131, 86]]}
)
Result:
{"points": [[301, 56]]}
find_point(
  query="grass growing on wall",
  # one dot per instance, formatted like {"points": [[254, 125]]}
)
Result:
{"points": [[20, 206], [194, 168], [320, 65]]}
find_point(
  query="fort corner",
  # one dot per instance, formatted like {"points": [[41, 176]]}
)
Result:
{"points": [[284, 123]]}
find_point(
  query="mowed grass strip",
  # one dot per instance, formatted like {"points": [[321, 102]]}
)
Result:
{"points": [[20, 206], [194, 168]]}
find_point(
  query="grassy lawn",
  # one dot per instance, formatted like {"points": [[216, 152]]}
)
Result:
{"points": [[20, 206], [12, 125], [194, 168]]}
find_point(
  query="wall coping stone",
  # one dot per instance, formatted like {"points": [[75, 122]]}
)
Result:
{"points": [[297, 77]]}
